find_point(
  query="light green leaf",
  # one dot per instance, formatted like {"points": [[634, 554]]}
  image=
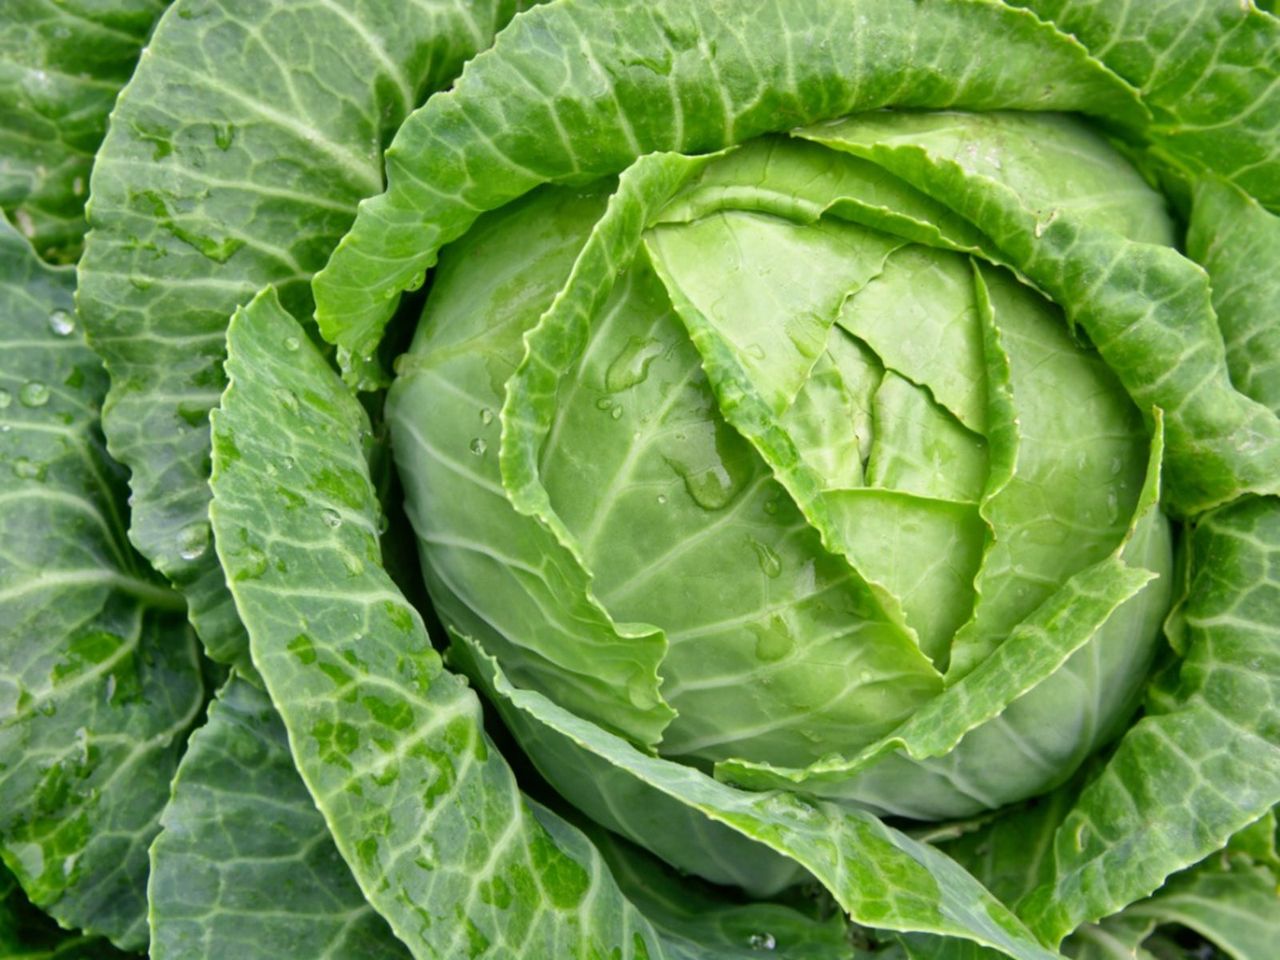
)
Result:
{"points": [[1238, 910], [1232, 237], [99, 673], [244, 866], [578, 90], [1207, 70], [519, 577], [1187, 777], [1145, 307], [1077, 470], [770, 289], [801, 182]]}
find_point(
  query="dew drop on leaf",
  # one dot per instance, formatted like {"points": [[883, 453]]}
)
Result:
{"points": [[331, 518], [478, 446], [773, 640], [62, 323], [193, 541], [631, 365], [34, 394]]}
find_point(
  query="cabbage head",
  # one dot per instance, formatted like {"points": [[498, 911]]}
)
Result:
{"points": [[817, 457]]}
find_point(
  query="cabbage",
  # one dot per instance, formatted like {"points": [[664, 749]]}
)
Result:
{"points": [[839, 442]]}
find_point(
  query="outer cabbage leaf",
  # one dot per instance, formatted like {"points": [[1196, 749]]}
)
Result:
{"points": [[244, 866], [61, 66], [1204, 763], [1207, 70], [236, 157], [577, 90], [1230, 235], [99, 672]]}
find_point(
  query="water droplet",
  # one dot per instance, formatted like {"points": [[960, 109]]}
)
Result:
{"points": [[662, 499], [604, 403], [6, 398], [762, 941], [756, 351], [416, 281], [77, 186], [62, 323], [479, 446], [288, 462], [773, 639], [193, 541], [631, 365], [770, 563], [771, 506], [28, 469], [354, 565], [616, 412], [331, 518], [292, 343], [34, 394], [486, 416], [717, 478]]}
